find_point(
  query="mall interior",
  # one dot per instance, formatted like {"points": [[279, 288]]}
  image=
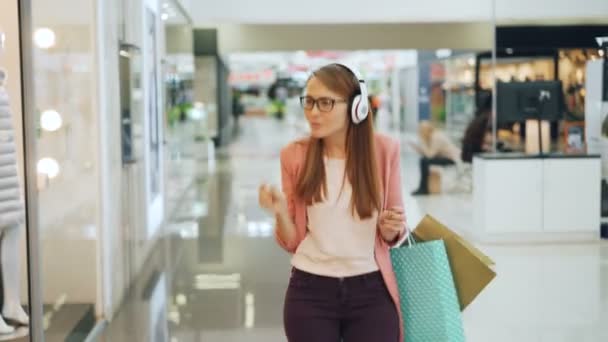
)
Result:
{"points": [[135, 134]]}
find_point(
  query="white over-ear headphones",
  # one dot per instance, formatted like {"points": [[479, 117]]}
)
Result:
{"points": [[360, 104]]}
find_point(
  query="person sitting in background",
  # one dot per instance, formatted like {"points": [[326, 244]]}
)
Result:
{"points": [[435, 148]]}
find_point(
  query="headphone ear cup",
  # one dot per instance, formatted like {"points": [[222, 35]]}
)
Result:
{"points": [[355, 110], [363, 108]]}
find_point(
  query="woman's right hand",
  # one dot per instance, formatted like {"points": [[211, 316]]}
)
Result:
{"points": [[272, 199]]}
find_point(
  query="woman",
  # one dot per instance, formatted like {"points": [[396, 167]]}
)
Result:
{"points": [[339, 212], [477, 137]]}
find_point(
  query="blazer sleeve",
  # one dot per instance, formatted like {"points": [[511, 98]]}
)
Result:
{"points": [[288, 181], [394, 192]]}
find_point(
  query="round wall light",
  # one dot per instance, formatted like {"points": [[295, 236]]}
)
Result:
{"points": [[50, 120], [49, 167], [44, 38]]}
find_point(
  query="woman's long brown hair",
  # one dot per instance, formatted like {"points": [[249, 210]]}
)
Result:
{"points": [[361, 169]]}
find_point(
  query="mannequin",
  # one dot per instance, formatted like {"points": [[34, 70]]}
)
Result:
{"points": [[12, 218]]}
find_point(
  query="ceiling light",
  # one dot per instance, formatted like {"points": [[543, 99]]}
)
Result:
{"points": [[181, 300], [164, 16], [249, 310], [217, 282]]}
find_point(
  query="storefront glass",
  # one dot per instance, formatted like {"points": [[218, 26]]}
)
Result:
{"points": [[94, 134], [67, 147]]}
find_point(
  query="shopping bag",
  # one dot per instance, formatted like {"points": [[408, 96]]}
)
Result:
{"points": [[429, 304], [470, 267]]}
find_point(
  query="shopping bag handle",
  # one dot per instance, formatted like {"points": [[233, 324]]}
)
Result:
{"points": [[408, 237], [411, 241]]}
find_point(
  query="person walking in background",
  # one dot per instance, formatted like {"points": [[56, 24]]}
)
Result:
{"points": [[339, 212], [435, 148], [478, 134], [237, 109], [477, 138], [374, 102], [278, 94]]}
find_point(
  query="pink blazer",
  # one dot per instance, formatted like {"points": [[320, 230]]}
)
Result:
{"points": [[389, 166]]}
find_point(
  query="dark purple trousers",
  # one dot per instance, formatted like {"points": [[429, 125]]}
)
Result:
{"points": [[352, 309]]}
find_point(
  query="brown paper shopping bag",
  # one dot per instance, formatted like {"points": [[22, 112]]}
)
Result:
{"points": [[470, 267]]}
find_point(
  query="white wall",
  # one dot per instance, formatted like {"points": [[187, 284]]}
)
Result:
{"points": [[62, 12], [339, 11], [130, 225], [409, 93], [155, 208], [386, 11], [111, 248]]}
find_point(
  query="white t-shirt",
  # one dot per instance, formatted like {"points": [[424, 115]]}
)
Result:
{"points": [[337, 244]]}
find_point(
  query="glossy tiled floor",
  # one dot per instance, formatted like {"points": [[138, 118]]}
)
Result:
{"points": [[218, 276]]}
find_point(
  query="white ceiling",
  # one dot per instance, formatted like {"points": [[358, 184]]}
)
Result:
{"points": [[172, 14], [206, 12], [211, 12]]}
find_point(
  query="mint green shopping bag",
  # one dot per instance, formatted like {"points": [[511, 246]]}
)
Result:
{"points": [[429, 303]]}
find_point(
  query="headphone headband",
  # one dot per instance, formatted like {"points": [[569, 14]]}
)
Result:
{"points": [[360, 105]]}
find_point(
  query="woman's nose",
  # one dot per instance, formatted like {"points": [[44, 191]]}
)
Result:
{"points": [[314, 111]]}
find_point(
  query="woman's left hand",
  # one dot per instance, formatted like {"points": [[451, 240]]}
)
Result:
{"points": [[391, 223]]}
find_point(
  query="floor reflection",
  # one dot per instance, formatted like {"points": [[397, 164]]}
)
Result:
{"points": [[231, 276]]}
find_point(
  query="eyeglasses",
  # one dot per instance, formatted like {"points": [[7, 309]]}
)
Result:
{"points": [[325, 104]]}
